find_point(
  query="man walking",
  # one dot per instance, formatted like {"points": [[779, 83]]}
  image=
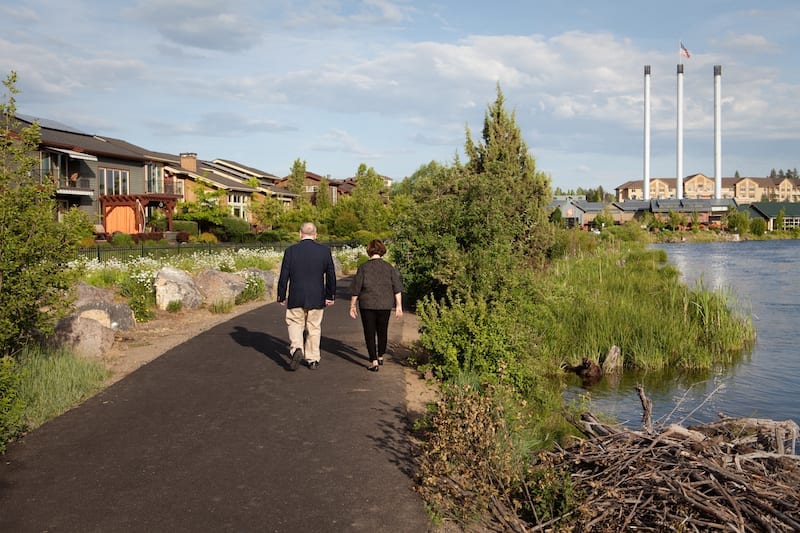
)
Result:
{"points": [[307, 269]]}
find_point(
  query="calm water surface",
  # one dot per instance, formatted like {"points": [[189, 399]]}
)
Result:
{"points": [[764, 279]]}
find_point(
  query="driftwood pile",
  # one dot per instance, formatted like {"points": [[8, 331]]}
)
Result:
{"points": [[730, 475]]}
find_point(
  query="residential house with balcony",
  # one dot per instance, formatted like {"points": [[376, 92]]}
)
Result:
{"points": [[242, 185], [112, 180]]}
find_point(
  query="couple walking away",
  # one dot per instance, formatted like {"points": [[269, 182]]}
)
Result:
{"points": [[307, 271]]}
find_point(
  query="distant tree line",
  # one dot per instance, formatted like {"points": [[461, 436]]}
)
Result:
{"points": [[592, 195]]}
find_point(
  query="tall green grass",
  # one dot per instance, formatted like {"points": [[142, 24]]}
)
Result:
{"points": [[54, 381], [632, 299]]}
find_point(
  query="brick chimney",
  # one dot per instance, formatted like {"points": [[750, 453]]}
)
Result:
{"points": [[189, 161]]}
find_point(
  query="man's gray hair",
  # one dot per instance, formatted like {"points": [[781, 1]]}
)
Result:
{"points": [[308, 229]]}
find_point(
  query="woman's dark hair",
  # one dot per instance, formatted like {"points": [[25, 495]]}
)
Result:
{"points": [[376, 247]]}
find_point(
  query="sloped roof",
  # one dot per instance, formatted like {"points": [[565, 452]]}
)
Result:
{"points": [[245, 170], [86, 143], [690, 204], [205, 173], [592, 207], [633, 205], [771, 209]]}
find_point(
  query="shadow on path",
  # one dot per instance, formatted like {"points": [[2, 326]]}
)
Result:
{"points": [[264, 343]]}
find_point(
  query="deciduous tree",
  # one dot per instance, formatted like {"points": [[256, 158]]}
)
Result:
{"points": [[34, 247]]}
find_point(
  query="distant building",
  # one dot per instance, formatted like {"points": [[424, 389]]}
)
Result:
{"points": [[577, 212], [744, 190]]}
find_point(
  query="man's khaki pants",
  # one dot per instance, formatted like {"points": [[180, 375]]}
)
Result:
{"points": [[300, 320]]}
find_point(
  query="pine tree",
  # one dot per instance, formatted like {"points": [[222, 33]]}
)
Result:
{"points": [[367, 200], [473, 225], [297, 181], [323, 202], [504, 195]]}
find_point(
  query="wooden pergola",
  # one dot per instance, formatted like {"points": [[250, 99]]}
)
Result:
{"points": [[137, 203]]}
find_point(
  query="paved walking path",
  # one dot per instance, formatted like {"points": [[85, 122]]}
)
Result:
{"points": [[218, 435]]}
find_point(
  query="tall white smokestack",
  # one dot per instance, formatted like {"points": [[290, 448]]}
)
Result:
{"points": [[646, 177], [717, 132], [679, 162]]}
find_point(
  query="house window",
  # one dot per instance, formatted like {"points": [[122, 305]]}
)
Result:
{"points": [[54, 165], [791, 222], [113, 180], [238, 205], [311, 188], [155, 178]]}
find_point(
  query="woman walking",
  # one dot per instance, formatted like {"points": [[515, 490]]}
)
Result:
{"points": [[376, 288]]}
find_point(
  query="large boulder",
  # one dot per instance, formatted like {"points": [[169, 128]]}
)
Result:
{"points": [[84, 336], [98, 304], [219, 287], [270, 281], [114, 316], [87, 293], [174, 285]]}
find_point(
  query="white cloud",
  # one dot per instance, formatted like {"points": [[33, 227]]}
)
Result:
{"points": [[747, 43], [205, 24], [337, 140], [221, 124]]}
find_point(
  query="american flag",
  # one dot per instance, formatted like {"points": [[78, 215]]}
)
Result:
{"points": [[685, 52]]}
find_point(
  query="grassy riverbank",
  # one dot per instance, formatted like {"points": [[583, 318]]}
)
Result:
{"points": [[501, 362]]}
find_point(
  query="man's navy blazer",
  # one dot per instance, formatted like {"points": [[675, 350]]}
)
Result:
{"points": [[307, 269]]}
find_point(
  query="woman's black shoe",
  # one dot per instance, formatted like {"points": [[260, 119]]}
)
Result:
{"points": [[380, 360], [373, 368]]}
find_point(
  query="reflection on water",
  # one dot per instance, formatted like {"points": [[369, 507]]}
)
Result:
{"points": [[761, 276]]}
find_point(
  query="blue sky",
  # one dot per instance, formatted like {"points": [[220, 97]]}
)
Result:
{"points": [[395, 83]]}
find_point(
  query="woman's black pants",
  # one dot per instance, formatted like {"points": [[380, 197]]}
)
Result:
{"points": [[376, 331]]}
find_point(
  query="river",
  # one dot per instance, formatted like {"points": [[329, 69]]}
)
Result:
{"points": [[764, 280]]}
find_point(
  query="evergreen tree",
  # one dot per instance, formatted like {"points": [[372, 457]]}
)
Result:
{"points": [[368, 201], [780, 220], [34, 247], [504, 196], [474, 224], [297, 181], [323, 200]]}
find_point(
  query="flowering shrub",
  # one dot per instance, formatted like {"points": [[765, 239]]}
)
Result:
{"points": [[136, 278], [349, 257], [254, 288]]}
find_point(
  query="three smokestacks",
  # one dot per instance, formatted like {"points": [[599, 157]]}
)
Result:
{"points": [[679, 131]]}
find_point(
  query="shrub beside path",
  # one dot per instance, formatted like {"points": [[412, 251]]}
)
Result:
{"points": [[217, 434]]}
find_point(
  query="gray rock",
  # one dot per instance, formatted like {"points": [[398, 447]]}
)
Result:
{"points": [[114, 316], [87, 293], [98, 304], [173, 285], [85, 336], [219, 287]]}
